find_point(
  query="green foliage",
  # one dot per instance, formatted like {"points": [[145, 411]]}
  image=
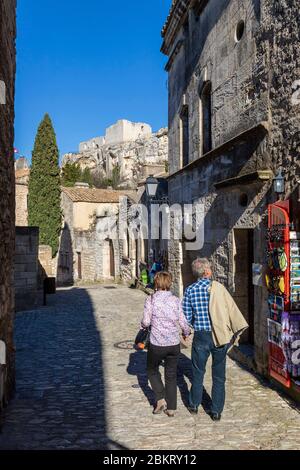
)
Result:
{"points": [[72, 173], [116, 177], [101, 182], [44, 205], [86, 177]]}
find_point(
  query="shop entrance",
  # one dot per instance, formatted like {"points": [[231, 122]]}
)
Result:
{"points": [[244, 289]]}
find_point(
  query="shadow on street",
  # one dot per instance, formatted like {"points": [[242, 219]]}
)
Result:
{"points": [[138, 366], [59, 401]]}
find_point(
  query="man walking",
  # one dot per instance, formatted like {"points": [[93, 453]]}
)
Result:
{"points": [[218, 323]]}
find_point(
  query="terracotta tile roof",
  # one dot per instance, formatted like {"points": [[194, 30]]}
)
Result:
{"points": [[97, 195]]}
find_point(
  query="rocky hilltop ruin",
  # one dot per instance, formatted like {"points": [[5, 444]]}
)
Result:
{"points": [[132, 147]]}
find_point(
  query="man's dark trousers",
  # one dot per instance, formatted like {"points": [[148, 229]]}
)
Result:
{"points": [[203, 346]]}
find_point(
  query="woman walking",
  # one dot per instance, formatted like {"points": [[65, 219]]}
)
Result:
{"points": [[163, 312]]}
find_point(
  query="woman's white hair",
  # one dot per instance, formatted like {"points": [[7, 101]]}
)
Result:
{"points": [[200, 266]]}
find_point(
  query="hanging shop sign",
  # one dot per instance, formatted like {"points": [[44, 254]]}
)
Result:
{"points": [[283, 283]]}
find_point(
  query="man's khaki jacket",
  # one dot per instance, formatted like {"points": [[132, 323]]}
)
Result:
{"points": [[228, 323]]}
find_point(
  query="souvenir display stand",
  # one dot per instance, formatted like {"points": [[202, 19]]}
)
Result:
{"points": [[283, 283]]}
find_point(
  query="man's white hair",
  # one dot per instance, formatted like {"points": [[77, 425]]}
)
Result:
{"points": [[200, 266]]}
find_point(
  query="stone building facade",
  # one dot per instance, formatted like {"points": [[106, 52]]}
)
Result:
{"points": [[7, 191], [84, 254], [234, 120], [132, 147]]}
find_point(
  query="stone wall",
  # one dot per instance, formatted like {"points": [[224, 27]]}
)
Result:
{"points": [[83, 255], [21, 205], [126, 131], [94, 255], [255, 129], [127, 245], [91, 144], [47, 264], [26, 268], [65, 259], [278, 49], [7, 184], [22, 173]]}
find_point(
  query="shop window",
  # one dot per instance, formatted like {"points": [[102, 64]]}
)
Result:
{"points": [[206, 118], [185, 135]]}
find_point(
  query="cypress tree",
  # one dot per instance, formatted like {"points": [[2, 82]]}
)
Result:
{"points": [[44, 208]]}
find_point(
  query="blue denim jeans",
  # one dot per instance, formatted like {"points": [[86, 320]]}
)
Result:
{"points": [[203, 347]]}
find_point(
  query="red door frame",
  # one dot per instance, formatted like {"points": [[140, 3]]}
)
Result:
{"points": [[279, 214]]}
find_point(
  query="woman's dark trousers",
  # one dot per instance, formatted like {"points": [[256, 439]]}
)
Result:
{"points": [[170, 355]]}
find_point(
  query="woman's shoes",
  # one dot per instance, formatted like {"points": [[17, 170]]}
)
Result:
{"points": [[160, 407], [170, 413]]}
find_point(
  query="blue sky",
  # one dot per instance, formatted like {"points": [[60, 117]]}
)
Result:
{"points": [[88, 63]]}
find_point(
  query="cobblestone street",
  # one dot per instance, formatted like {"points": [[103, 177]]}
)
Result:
{"points": [[80, 385]]}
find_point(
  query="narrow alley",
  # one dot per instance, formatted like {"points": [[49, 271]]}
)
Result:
{"points": [[81, 385]]}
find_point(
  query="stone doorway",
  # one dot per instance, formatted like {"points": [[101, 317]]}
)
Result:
{"points": [[112, 259], [79, 265], [186, 275], [244, 289], [108, 260], [137, 260]]}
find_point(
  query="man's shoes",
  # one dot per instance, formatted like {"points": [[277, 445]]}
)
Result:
{"points": [[193, 411], [215, 416]]}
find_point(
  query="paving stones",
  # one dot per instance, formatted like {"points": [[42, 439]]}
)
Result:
{"points": [[75, 390]]}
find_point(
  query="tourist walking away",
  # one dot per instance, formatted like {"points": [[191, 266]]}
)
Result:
{"points": [[163, 312], [155, 268], [218, 324]]}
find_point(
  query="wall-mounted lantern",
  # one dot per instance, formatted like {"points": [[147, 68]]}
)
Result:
{"points": [[279, 183], [151, 186]]}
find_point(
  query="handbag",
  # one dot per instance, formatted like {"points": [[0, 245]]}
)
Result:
{"points": [[142, 340]]}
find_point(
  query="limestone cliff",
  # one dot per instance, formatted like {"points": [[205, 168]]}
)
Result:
{"points": [[137, 154]]}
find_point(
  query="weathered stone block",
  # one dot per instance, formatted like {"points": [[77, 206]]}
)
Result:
{"points": [[7, 191]]}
